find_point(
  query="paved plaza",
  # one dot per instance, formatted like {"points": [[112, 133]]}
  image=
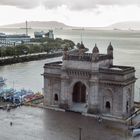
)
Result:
{"points": [[30, 123]]}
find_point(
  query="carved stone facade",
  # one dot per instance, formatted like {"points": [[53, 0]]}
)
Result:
{"points": [[91, 82]]}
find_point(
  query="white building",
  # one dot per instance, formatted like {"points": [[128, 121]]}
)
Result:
{"points": [[13, 39], [43, 34]]}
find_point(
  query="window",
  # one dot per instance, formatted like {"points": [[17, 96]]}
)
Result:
{"points": [[55, 97], [107, 105]]}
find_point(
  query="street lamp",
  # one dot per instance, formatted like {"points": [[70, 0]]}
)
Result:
{"points": [[13, 84], [139, 94], [80, 130]]}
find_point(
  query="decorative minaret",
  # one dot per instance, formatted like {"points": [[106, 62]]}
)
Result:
{"points": [[110, 50], [65, 53], [26, 28], [81, 49], [95, 54]]}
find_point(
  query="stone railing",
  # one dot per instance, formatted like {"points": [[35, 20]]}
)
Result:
{"points": [[79, 58], [87, 57], [119, 70], [57, 64], [76, 73]]}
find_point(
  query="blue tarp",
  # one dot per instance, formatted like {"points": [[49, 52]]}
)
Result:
{"points": [[15, 95]]}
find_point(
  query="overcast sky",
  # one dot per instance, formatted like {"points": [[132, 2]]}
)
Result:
{"points": [[75, 12]]}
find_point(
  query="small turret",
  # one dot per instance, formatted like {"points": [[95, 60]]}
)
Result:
{"points": [[65, 53], [81, 49], [110, 50], [95, 49], [95, 54], [82, 46]]}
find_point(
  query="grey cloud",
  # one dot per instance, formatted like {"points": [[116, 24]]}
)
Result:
{"points": [[87, 4], [73, 4], [21, 3]]}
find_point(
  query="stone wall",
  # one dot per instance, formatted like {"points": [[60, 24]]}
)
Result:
{"points": [[52, 87]]}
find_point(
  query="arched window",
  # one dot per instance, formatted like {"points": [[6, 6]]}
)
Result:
{"points": [[107, 106], [55, 97]]}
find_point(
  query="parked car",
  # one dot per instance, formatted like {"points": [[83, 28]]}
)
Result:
{"points": [[136, 132], [137, 125]]}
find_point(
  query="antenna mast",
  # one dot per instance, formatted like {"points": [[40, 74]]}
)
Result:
{"points": [[26, 27], [81, 36]]}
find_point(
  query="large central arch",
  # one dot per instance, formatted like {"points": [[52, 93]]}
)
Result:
{"points": [[79, 93]]}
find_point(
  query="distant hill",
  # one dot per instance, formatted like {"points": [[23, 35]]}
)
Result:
{"points": [[38, 24], [129, 25]]}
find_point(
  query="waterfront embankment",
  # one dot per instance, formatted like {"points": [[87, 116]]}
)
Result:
{"points": [[27, 58], [33, 57]]}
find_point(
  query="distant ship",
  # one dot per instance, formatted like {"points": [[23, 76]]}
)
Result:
{"points": [[2, 80], [116, 29], [25, 28], [129, 29], [78, 29]]}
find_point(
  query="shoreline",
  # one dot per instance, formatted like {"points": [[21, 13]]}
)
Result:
{"points": [[31, 57], [28, 58]]}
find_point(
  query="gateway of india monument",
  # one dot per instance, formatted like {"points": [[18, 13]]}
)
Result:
{"points": [[90, 83]]}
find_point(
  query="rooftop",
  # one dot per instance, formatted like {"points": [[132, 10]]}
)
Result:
{"points": [[115, 69], [87, 57], [95, 56], [2, 35]]}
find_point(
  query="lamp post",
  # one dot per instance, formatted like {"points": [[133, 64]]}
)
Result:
{"points": [[131, 121], [139, 94], [80, 130], [13, 84]]}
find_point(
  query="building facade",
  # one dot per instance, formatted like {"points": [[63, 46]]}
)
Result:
{"points": [[43, 34], [13, 39], [90, 82]]}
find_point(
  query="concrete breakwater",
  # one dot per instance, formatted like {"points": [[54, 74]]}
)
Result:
{"points": [[33, 57], [27, 58]]}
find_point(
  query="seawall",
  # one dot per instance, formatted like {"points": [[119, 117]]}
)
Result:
{"points": [[27, 58]]}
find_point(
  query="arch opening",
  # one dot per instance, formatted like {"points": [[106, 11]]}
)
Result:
{"points": [[55, 97], [79, 93], [107, 106]]}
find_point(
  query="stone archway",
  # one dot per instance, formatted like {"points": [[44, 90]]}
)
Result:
{"points": [[79, 93]]}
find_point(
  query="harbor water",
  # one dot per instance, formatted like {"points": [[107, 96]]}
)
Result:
{"points": [[29, 123], [126, 52]]}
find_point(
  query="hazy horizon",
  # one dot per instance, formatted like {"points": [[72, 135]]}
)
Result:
{"points": [[127, 25]]}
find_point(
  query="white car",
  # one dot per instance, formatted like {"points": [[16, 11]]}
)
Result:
{"points": [[137, 125], [136, 132]]}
